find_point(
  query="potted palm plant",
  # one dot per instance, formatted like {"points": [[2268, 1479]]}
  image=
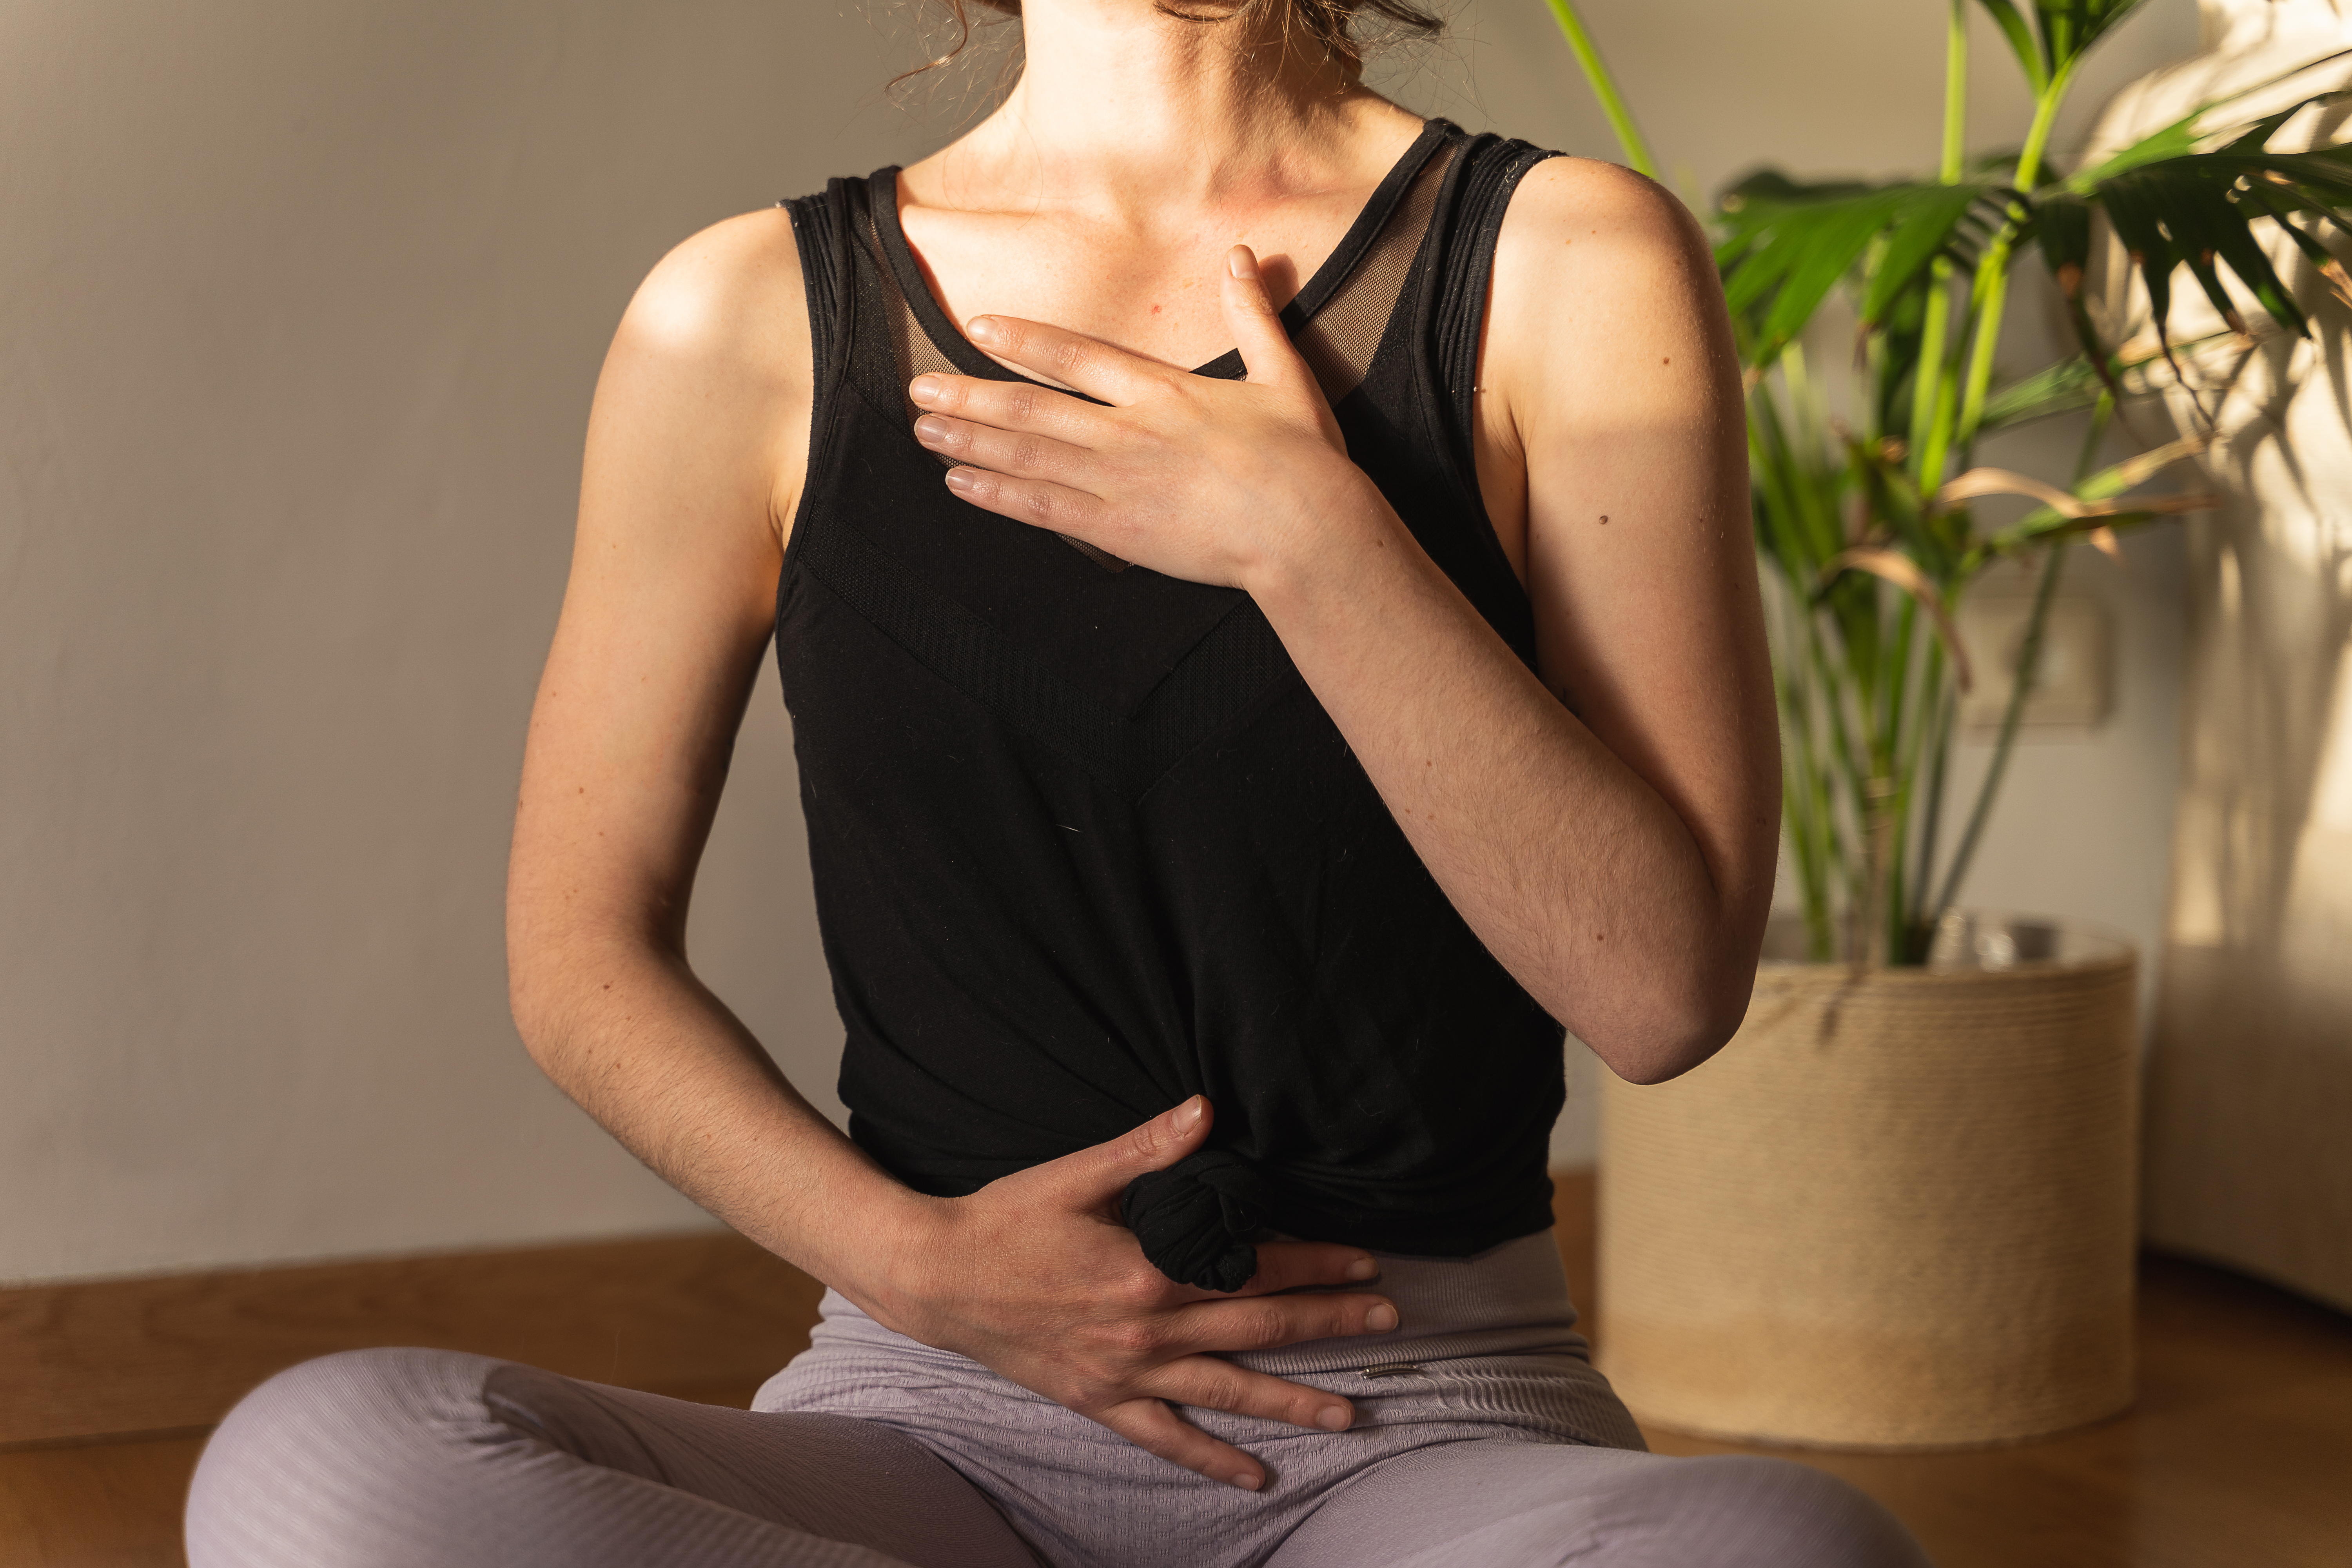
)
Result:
{"points": [[1899, 1211]]}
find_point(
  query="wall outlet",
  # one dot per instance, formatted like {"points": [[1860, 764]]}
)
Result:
{"points": [[2075, 686]]}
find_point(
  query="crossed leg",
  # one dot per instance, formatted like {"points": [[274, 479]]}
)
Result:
{"points": [[404, 1457], [1510, 1504], [408, 1456]]}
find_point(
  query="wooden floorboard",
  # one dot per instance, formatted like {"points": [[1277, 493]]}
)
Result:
{"points": [[95, 1505], [118, 1357], [2236, 1453]]}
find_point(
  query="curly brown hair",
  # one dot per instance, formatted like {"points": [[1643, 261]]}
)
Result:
{"points": [[1329, 24]]}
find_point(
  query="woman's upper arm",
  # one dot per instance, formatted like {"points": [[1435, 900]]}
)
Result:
{"points": [[695, 447], [1620, 389]]}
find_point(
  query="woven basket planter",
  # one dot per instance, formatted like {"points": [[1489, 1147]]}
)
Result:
{"points": [[1897, 1211]]}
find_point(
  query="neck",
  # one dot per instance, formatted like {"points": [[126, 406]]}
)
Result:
{"points": [[1121, 108]]}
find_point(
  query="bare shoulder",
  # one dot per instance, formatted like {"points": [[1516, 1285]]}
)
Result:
{"points": [[730, 301], [1597, 266], [1564, 190], [709, 372], [1595, 221]]}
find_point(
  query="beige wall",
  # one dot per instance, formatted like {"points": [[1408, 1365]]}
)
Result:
{"points": [[300, 306], [303, 304]]}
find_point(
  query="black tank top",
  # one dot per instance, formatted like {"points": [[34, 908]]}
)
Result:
{"points": [[1084, 842]]}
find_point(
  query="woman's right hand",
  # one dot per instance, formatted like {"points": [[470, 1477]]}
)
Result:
{"points": [[1035, 1278]]}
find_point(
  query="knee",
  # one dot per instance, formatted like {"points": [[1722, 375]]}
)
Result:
{"points": [[323, 1451], [1756, 1513], [337, 1405]]}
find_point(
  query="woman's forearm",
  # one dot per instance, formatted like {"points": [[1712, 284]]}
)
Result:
{"points": [[627, 1030], [1579, 877], [1619, 865]]}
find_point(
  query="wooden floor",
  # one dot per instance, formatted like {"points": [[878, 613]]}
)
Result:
{"points": [[2238, 1455], [2238, 1451]]}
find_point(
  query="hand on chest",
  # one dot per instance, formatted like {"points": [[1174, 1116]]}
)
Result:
{"points": [[1152, 292]]}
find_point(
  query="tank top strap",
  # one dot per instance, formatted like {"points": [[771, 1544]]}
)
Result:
{"points": [[1341, 320], [1444, 207], [818, 225], [1487, 172], [821, 227], [1337, 318]]}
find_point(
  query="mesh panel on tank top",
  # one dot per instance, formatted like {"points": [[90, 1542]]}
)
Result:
{"points": [[911, 346], [1338, 342], [915, 355]]}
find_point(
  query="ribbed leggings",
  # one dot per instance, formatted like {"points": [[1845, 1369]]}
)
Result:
{"points": [[1483, 1438], [438, 1459]]}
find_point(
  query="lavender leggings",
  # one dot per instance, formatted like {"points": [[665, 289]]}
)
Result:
{"points": [[1496, 1446]]}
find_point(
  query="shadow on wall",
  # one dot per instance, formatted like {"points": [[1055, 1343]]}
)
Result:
{"points": [[2250, 1086]]}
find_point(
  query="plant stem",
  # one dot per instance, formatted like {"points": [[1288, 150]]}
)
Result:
{"points": [[2029, 661], [1937, 765], [1927, 413], [1992, 274], [1797, 530], [1604, 88], [1807, 814], [1956, 93], [1893, 799], [2029, 665], [1914, 854], [2101, 412]]}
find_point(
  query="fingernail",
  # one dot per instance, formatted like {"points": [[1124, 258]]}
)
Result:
{"points": [[925, 389], [1332, 1418], [982, 329], [930, 429], [1362, 1269], [1188, 1114], [1381, 1319], [960, 480], [1248, 1481], [1242, 262]]}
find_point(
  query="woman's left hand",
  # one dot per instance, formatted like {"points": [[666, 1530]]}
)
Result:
{"points": [[1212, 480]]}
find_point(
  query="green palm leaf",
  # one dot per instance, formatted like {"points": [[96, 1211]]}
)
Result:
{"points": [[2060, 388], [1939, 220], [2195, 211], [2099, 501], [2066, 28], [1786, 246], [2070, 385], [2174, 207], [2061, 226], [2174, 141], [1895, 506], [2021, 43], [1782, 258], [2183, 136], [2070, 27], [2260, 198]]}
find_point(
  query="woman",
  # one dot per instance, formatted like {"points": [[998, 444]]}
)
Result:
{"points": [[1221, 786]]}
